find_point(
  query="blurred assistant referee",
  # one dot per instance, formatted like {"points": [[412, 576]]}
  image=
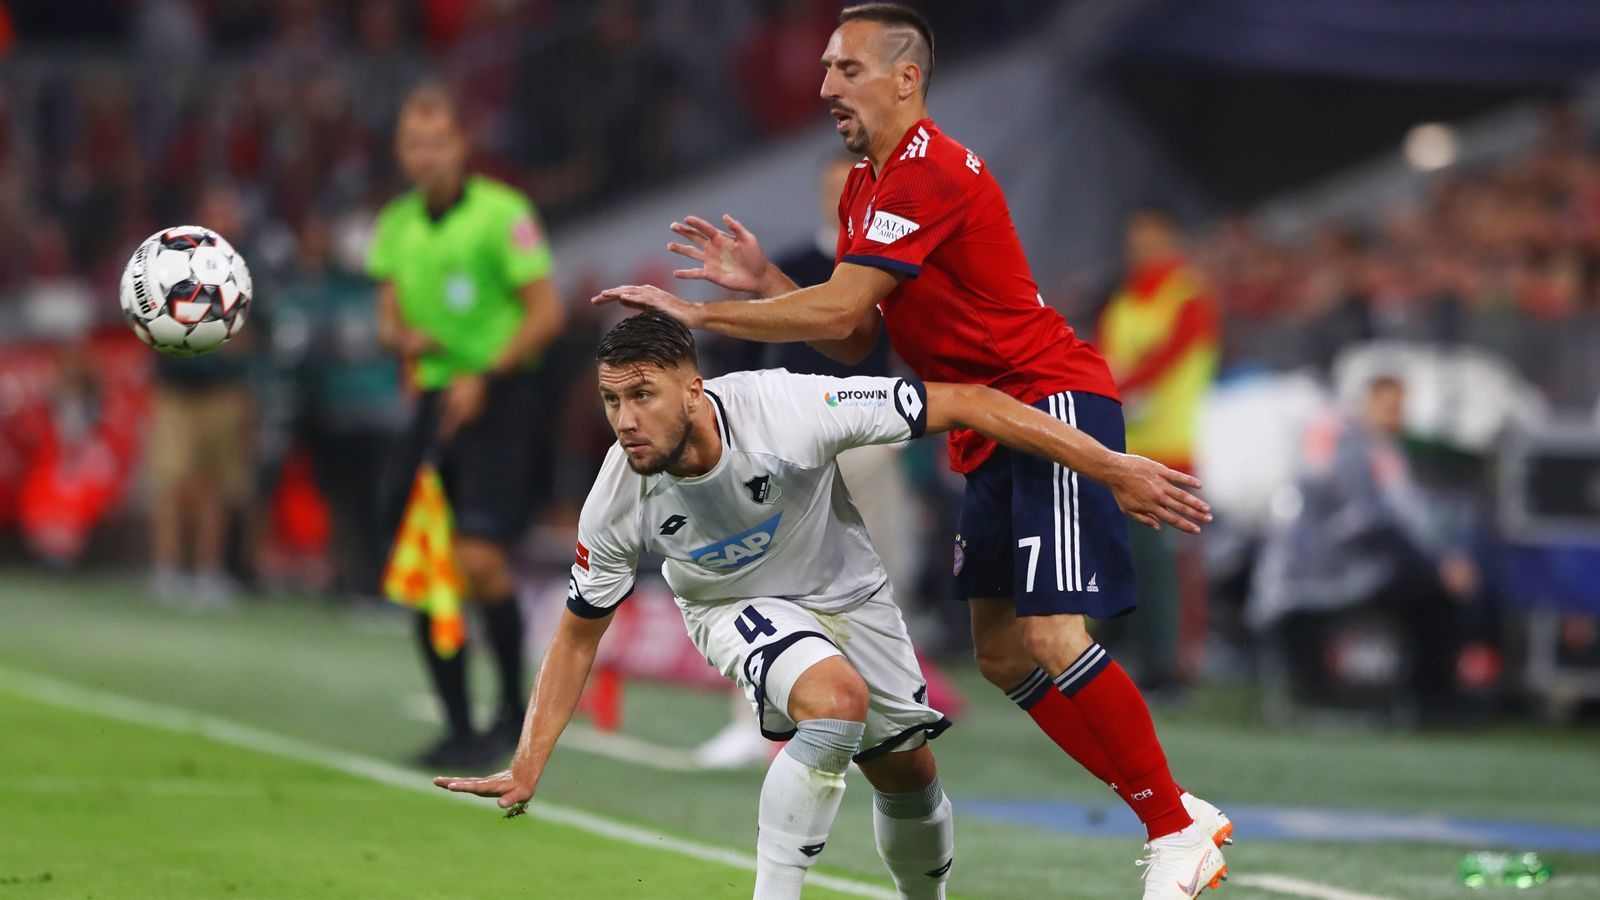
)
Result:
{"points": [[467, 302]]}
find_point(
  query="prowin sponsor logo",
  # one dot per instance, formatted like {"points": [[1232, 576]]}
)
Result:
{"points": [[856, 397]]}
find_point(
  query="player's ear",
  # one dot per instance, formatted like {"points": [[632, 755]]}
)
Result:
{"points": [[694, 389], [908, 81]]}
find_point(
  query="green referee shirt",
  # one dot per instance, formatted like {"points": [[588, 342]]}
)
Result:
{"points": [[458, 277]]}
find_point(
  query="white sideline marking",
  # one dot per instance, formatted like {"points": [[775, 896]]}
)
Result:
{"points": [[633, 750], [1296, 887], [141, 712]]}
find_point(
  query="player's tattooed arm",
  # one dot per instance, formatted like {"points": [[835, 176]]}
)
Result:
{"points": [[1147, 491], [562, 675]]}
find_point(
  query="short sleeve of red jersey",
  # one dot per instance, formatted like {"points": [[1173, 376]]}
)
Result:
{"points": [[917, 206]]}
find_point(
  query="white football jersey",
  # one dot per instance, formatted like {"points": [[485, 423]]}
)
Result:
{"points": [[772, 517]]}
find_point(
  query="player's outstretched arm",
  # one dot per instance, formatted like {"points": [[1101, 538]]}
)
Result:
{"points": [[1147, 491], [831, 311], [731, 259], [555, 697]]}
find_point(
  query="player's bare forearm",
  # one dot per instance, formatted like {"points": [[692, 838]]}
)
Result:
{"points": [[541, 325], [1147, 491], [556, 692], [855, 348], [1010, 422], [831, 311]]}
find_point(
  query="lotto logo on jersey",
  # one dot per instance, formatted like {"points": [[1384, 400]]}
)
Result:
{"points": [[740, 550], [868, 398], [888, 227]]}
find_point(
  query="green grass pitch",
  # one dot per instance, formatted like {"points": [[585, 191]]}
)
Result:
{"points": [[96, 806]]}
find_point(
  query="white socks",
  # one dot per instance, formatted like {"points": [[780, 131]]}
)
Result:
{"points": [[799, 800], [916, 838]]}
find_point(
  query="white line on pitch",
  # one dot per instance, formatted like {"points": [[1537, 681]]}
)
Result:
{"points": [[1296, 887], [142, 712]]}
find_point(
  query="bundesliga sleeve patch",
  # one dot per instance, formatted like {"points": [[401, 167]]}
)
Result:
{"points": [[888, 227], [581, 559], [525, 234]]}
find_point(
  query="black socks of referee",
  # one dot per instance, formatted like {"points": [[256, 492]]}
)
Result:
{"points": [[449, 679], [504, 618], [504, 633]]}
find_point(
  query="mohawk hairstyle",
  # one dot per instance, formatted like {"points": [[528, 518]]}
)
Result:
{"points": [[894, 15], [650, 338]]}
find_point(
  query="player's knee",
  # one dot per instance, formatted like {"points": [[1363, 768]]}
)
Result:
{"points": [[902, 771], [831, 689], [1001, 668], [485, 566], [1001, 658], [1054, 642]]}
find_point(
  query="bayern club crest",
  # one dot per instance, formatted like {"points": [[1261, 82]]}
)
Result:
{"points": [[960, 555]]}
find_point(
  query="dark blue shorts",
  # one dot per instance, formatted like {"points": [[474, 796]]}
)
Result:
{"points": [[1050, 539]]}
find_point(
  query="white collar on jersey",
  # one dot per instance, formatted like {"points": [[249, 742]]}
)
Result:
{"points": [[651, 482]]}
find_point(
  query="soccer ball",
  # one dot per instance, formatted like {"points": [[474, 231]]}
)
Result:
{"points": [[185, 291]]}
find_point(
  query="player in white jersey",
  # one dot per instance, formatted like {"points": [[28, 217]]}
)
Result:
{"points": [[733, 482]]}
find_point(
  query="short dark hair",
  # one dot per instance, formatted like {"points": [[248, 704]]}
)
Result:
{"points": [[431, 98], [650, 338], [894, 15]]}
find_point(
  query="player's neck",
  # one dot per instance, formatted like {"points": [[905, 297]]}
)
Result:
{"points": [[443, 198], [704, 449], [884, 145]]}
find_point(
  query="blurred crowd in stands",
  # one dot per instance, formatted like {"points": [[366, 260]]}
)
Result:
{"points": [[1505, 257]]}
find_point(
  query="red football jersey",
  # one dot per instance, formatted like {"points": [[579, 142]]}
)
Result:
{"points": [[968, 310]]}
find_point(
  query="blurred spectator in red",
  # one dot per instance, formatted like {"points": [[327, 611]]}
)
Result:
{"points": [[75, 471], [777, 69]]}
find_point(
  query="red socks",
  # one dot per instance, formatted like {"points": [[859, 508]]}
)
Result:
{"points": [[1095, 713]]}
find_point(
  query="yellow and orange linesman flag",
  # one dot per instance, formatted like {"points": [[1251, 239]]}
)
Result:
{"points": [[422, 571]]}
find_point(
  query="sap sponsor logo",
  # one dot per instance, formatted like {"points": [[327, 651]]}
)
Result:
{"points": [[740, 550], [872, 397], [888, 227]]}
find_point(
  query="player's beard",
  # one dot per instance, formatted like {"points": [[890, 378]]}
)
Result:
{"points": [[859, 142], [670, 458]]}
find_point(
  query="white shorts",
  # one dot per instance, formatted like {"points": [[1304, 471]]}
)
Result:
{"points": [[765, 644]]}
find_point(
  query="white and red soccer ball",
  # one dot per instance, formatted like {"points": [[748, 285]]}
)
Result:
{"points": [[185, 291]]}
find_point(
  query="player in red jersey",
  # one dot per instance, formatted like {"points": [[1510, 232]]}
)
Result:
{"points": [[927, 249]]}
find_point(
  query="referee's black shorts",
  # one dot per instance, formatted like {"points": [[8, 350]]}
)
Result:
{"points": [[494, 471]]}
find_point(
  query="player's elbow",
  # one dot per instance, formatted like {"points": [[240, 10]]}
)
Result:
{"points": [[839, 326]]}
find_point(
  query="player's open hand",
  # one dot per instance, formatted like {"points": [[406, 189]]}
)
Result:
{"points": [[1150, 494], [731, 259], [648, 296], [510, 790]]}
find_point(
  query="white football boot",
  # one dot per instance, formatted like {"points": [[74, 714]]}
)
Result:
{"points": [[1213, 822], [1181, 866]]}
